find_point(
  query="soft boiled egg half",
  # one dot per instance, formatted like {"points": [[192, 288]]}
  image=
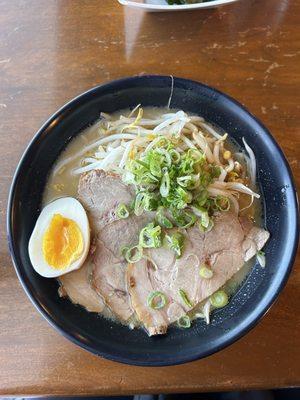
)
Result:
{"points": [[60, 240]]}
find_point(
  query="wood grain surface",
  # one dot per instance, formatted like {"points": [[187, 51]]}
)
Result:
{"points": [[52, 50]]}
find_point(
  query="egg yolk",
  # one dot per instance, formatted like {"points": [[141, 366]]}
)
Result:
{"points": [[62, 242]]}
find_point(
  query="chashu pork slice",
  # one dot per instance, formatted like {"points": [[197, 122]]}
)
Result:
{"points": [[76, 285], [225, 249], [109, 265], [100, 193]]}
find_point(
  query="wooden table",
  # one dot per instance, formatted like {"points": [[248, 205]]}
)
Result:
{"points": [[52, 50]]}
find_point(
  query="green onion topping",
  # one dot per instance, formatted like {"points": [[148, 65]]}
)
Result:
{"points": [[162, 220], [183, 219], [175, 242], [185, 298], [219, 299], [132, 254], [150, 202], [139, 203], [209, 227], [156, 300], [261, 258], [165, 185], [184, 322], [175, 184], [222, 203], [205, 272], [150, 236], [122, 211]]}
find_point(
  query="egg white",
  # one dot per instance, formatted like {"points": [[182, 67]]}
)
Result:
{"points": [[70, 208]]}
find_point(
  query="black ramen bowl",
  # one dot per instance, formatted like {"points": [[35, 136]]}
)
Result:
{"points": [[256, 294]]}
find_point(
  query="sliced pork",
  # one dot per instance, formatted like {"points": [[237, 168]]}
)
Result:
{"points": [[125, 288], [109, 265], [223, 249], [76, 285], [100, 193]]}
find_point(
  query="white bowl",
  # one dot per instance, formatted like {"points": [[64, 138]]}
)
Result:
{"points": [[161, 5]]}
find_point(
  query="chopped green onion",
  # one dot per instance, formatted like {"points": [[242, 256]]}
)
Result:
{"points": [[184, 181], [142, 163], [128, 178], [162, 220], [261, 258], [155, 164], [156, 300], [133, 254], [215, 171], [222, 203], [150, 202], [219, 299], [204, 217], [184, 322], [146, 179], [139, 203], [166, 155], [196, 154], [185, 298], [183, 219], [175, 156], [209, 228], [175, 242], [150, 236], [124, 250], [122, 211], [165, 184], [201, 198], [205, 272], [184, 195], [189, 181]]}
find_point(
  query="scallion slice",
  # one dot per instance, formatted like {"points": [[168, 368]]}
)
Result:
{"points": [[219, 299], [222, 203], [139, 203], [205, 272], [167, 156], [183, 219], [175, 242], [156, 300], [184, 195], [209, 228], [189, 181], [150, 202], [201, 198], [175, 156], [122, 211], [133, 254], [184, 322], [150, 236], [165, 184], [203, 214], [162, 220], [155, 163], [185, 298], [123, 250], [261, 258]]}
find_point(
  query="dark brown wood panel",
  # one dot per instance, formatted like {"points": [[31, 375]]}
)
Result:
{"points": [[50, 51]]}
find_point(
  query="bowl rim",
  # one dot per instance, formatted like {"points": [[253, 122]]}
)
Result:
{"points": [[262, 306], [169, 8]]}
